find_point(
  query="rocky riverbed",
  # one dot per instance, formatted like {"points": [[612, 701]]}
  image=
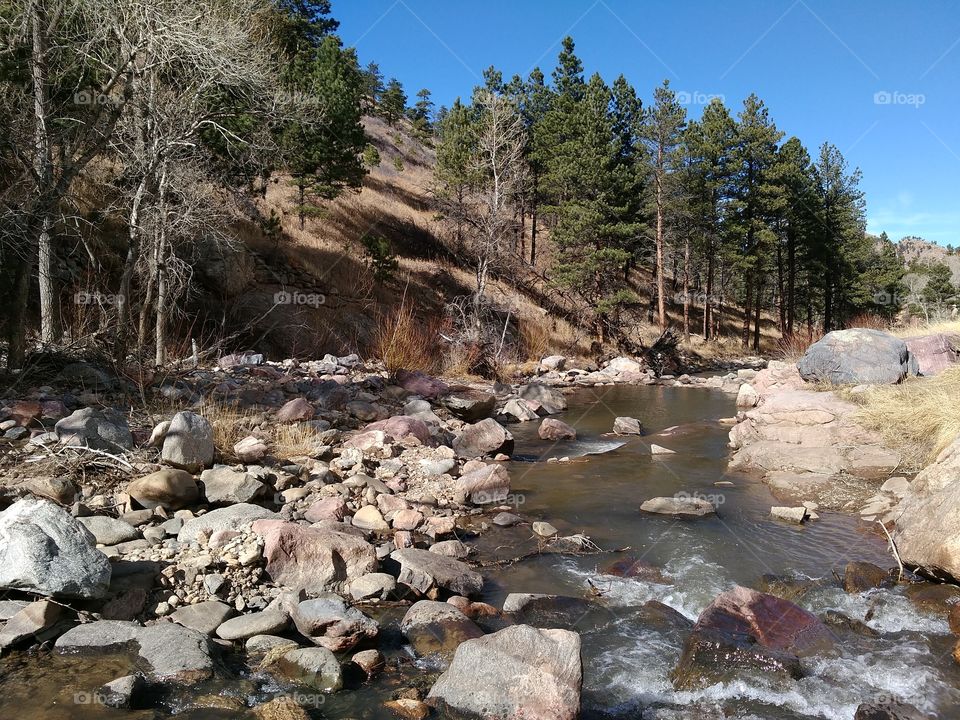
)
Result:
{"points": [[277, 538]]}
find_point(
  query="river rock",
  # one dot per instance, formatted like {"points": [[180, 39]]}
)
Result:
{"points": [[105, 430], [485, 485], [316, 667], [627, 426], [59, 489], [173, 652], [553, 429], [470, 405], [521, 410], [314, 559], [927, 533], [44, 550], [545, 611], [229, 518], [296, 410], [267, 622], [189, 443], [408, 708], [369, 518], [169, 488], [518, 672], [329, 622], [861, 576], [108, 530], [858, 356], [552, 362], [423, 570], [32, 619], [437, 628], [204, 617], [331, 508], [372, 585], [679, 506], [889, 710], [747, 397], [940, 473], [400, 426], [222, 485], [795, 515], [283, 707], [119, 693], [550, 400], [934, 353], [485, 438]]}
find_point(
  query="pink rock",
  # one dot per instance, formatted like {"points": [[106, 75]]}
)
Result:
{"points": [[934, 353], [421, 384], [553, 429], [407, 520], [221, 537], [332, 508], [296, 410], [400, 426]]}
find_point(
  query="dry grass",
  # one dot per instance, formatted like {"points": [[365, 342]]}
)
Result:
{"points": [[946, 327], [294, 441], [230, 425], [793, 346], [920, 417], [404, 342]]}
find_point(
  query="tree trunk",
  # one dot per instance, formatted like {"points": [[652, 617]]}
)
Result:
{"points": [[708, 296], [686, 288], [661, 305], [747, 309], [781, 291], [533, 221], [791, 281], [758, 297], [129, 265]]}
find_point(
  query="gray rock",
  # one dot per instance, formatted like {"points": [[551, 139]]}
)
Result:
{"points": [[857, 356], [553, 362], [372, 585], [451, 548], [32, 619], [470, 405], [188, 444], [168, 488], [108, 530], [268, 622], [262, 644], [119, 693], [9, 608], [329, 622], [627, 426], [520, 409], [679, 506], [97, 429], [506, 519], [204, 617], [173, 652], [43, 549], [422, 570], [487, 437], [228, 518], [485, 485], [316, 667], [794, 515], [551, 401], [224, 485], [437, 628], [518, 672]]}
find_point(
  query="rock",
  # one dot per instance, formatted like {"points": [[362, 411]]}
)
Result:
{"points": [[485, 485], [631, 567], [331, 508], [544, 529], [470, 405], [59, 489], [174, 653], [451, 548], [266, 622], [229, 518], [506, 519], [28, 622], [370, 661], [898, 486], [679, 506], [375, 585], [280, 708], [108, 530], [189, 443], [247, 358], [314, 559], [408, 708], [437, 628], [406, 519], [551, 401], [250, 450], [627, 426], [316, 667], [623, 365], [660, 450], [400, 426], [97, 429], [296, 410], [545, 611], [44, 550], [263, 644], [552, 429], [747, 397], [552, 362], [204, 617], [418, 383], [794, 515], [857, 356], [889, 710], [485, 438], [422, 570], [934, 353], [940, 473], [861, 576], [119, 693], [521, 410], [329, 622], [223, 485], [518, 672], [168, 488], [369, 518], [927, 533]]}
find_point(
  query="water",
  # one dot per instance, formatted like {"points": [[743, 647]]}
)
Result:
{"points": [[626, 663]]}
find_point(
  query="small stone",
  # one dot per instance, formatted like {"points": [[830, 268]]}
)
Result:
{"points": [[409, 709], [544, 529], [369, 518], [660, 450], [790, 514], [627, 426], [370, 661], [268, 622]]}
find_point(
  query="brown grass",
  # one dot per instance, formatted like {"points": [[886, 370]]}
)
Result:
{"points": [[920, 417], [230, 425], [294, 441], [535, 339], [793, 346], [405, 342]]}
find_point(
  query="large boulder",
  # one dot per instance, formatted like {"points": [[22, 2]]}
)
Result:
{"points": [[188, 444], [329, 622], [229, 518], [934, 353], [423, 570], [44, 550], [487, 437], [96, 429], [470, 405], [314, 559], [857, 357], [485, 485], [927, 533], [173, 653], [549, 399], [519, 672]]}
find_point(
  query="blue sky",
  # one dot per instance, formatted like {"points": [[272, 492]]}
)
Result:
{"points": [[877, 79]]}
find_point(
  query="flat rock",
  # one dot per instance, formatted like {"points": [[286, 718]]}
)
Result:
{"points": [[105, 430], [108, 530], [267, 622], [679, 506], [229, 518], [168, 488], [794, 515], [422, 570], [32, 619], [204, 617]]}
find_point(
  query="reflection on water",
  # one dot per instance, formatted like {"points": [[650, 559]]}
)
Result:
{"points": [[626, 661]]}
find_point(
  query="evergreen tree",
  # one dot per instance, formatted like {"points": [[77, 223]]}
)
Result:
{"points": [[372, 85], [393, 102], [421, 112], [454, 174]]}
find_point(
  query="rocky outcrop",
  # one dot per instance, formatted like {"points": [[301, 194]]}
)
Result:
{"points": [[46, 551], [519, 672], [934, 353], [857, 356]]}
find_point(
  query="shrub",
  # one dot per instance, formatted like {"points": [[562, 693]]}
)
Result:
{"points": [[404, 342], [371, 156], [380, 257]]}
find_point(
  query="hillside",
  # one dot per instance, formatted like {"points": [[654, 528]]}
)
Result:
{"points": [[917, 249]]}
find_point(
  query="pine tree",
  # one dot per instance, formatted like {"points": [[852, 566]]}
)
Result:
{"points": [[453, 172], [372, 85], [421, 112], [393, 102]]}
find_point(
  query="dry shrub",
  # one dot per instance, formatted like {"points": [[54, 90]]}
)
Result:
{"points": [[948, 327], [230, 425], [869, 321], [535, 339], [295, 440], [404, 342], [792, 346], [920, 416], [461, 359]]}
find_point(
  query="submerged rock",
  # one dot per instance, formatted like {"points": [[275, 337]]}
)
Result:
{"points": [[518, 672], [316, 667], [679, 506], [437, 628]]}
